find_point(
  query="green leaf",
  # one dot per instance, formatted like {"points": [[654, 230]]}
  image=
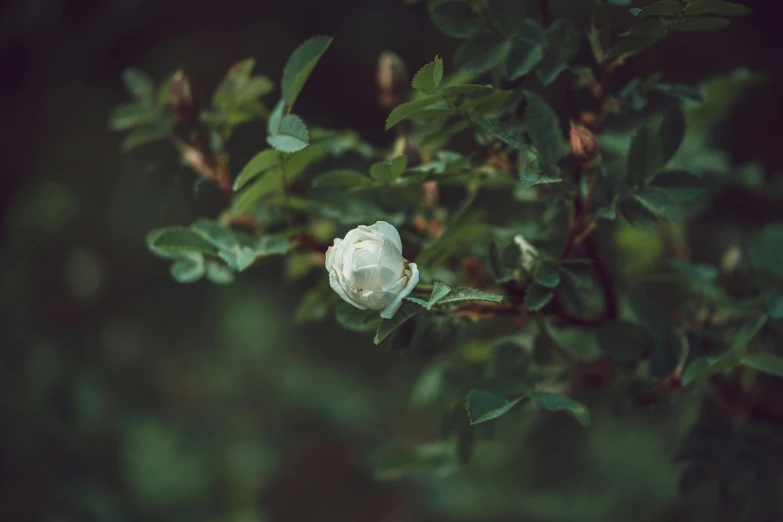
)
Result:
{"points": [[547, 274], [671, 132], [271, 245], [439, 291], [645, 156], [508, 15], [716, 7], [480, 54], [429, 77], [387, 326], [181, 239], [315, 304], [188, 270], [696, 272], [291, 135], [632, 45], [456, 19], [538, 173], [764, 362], [543, 126], [239, 258], [140, 85], [655, 27], [388, 171], [406, 110], [218, 273], [533, 32], [299, 66], [147, 133], [345, 179], [682, 185], [264, 160], [555, 402], [563, 45], [130, 115], [662, 8], [706, 366], [637, 214], [458, 90], [351, 318], [220, 237], [483, 405], [537, 296], [658, 201], [699, 24], [768, 255], [687, 93], [522, 58], [273, 124], [624, 341], [504, 132], [461, 294], [775, 305]]}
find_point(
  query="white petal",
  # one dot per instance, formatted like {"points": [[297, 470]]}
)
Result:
{"points": [[361, 233], [391, 262], [335, 284], [397, 286], [388, 230], [376, 299], [392, 308], [367, 278]]}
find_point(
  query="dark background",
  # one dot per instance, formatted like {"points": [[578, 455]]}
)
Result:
{"points": [[128, 397]]}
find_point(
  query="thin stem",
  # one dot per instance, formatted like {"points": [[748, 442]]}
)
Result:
{"points": [[284, 185]]}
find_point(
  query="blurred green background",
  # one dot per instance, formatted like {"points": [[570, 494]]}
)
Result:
{"points": [[126, 396]]}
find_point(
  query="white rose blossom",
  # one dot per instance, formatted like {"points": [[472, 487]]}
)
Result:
{"points": [[367, 270]]}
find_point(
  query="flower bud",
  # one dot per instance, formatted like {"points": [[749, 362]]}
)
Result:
{"points": [[367, 270], [393, 79], [430, 193], [183, 100], [584, 146]]}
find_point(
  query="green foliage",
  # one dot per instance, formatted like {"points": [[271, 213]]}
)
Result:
{"points": [[429, 77], [547, 274], [264, 160], [483, 405], [645, 156], [624, 341], [387, 326], [456, 19], [300, 65], [715, 7], [556, 402], [388, 171], [291, 135], [537, 296], [764, 362]]}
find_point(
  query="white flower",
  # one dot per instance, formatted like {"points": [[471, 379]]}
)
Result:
{"points": [[528, 251], [367, 269]]}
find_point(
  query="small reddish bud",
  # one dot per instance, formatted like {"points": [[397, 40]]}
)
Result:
{"points": [[584, 146], [392, 78], [183, 99], [420, 224], [436, 227], [431, 193]]}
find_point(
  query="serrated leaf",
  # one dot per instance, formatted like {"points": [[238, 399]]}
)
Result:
{"points": [[654, 26], [461, 294], [239, 258], [357, 320], [456, 19], [508, 15], [537, 296], [140, 85], [624, 341], [218, 273], [632, 45], [522, 58], [406, 110], [483, 405], [388, 171], [699, 24], [555, 402], [480, 54], [346, 179], [264, 160], [291, 136], [547, 274], [458, 90], [543, 126], [299, 66], [764, 362], [181, 239], [645, 156], [538, 173], [504, 132], [569, 293], [662, 8], [387, 326], [220, 237], [716, 7], [187, 270], [429, 77], [273, 123], [439, 291], [658, 201], [671, 132], [563, 45]]}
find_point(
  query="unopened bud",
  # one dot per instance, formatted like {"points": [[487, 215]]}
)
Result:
{"points": [[392, 77], [183, 100], [584, 146], [431, 193]]}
